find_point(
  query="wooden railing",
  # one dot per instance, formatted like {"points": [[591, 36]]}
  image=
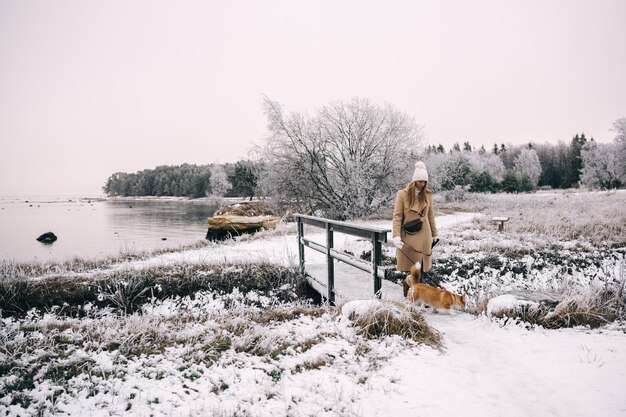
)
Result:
{"points": [[377, 236]]}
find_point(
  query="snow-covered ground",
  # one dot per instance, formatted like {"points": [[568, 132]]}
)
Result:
{"points": [[487, 367], [282, 249]]}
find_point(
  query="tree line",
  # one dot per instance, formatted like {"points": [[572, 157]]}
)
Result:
{"points": [[187, 180], [512, 168], [349, 158], [523, 168]]}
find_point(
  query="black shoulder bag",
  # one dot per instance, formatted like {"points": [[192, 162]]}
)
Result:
{"points": [[413, 226]]}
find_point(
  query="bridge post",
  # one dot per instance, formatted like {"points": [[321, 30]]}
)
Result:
{"points": [[330, 264], [300, 244], [376, 261]]}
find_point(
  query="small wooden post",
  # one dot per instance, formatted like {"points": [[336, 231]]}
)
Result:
{"points": [[330, 262], [376, 260], [500, 221]]}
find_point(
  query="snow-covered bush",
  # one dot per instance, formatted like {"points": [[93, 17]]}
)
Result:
{"points": [[527, 165], [602, 165]]}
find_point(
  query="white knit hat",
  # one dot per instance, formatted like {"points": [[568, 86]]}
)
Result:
{"points": [[420, 173]]}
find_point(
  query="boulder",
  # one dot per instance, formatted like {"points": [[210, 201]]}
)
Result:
{"points": [[229, 225], [47, 238]]}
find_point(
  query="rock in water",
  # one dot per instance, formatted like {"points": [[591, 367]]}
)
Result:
{"points": [[226, 226], [47, 238]]}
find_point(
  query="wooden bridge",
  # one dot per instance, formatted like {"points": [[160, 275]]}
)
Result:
{"points": [[343, 276]]}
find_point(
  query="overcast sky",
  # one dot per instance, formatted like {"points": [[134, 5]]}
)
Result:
{"points": [[89, 88]]}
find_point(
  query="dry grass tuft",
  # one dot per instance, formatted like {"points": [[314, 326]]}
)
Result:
{"points": [[397, 319], [593, 309]]}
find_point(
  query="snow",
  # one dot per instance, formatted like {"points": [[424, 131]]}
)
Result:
{"points": [[486, 368], [278, 249], [360, 307], [507, 302]]}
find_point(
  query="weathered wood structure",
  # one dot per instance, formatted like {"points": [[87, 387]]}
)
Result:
{"points": [[377, 236]]}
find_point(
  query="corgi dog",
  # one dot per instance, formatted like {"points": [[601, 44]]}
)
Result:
{"points": [[436, 298]]}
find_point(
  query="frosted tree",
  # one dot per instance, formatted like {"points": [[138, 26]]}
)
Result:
{"points": [[601, 165], [486, 162], [457, 171], [619, 127], [436, 164], [345, 161], [527, 164], [218, 181]]}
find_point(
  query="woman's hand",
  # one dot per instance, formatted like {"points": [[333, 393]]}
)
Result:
{"points": [[397, 242]]}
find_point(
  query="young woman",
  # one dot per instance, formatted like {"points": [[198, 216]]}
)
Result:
{"points": [[414, 205]]}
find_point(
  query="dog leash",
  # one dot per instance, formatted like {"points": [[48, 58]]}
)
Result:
{"points": [[417, 250], [410, 259]]}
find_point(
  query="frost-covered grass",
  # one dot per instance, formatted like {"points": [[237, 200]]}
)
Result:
{"points": [[553, 247], [61, 267], [207, 354], [598, 218], [212, 339], [127, 290], [172, 336], [594, 306]]}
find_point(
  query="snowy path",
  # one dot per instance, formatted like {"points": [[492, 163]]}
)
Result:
{"points": [[509, 371]]}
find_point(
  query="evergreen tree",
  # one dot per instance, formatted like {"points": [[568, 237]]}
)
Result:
{"points": [[525, 184], [576, 161], [482, 182], [509, 183], [243, 180]]}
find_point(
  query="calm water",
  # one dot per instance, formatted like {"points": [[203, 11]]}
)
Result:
{"points": [[93, 228]]}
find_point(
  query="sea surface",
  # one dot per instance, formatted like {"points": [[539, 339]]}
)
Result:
{"points": [[95, 227]]}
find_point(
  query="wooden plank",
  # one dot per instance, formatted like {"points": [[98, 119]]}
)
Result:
{"points": [[364, 231], [499, 219], [313, 245]]}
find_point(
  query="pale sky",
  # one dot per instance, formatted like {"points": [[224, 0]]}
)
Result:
{"points": [[89, 88]]}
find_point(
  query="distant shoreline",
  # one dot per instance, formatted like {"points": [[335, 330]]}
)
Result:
{"points": [[68, 198]]}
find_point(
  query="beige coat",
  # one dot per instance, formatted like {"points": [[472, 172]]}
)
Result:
{"points": [[417, 246]]}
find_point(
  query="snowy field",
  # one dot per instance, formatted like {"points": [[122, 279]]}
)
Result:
{"points": [[215, 355]]}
